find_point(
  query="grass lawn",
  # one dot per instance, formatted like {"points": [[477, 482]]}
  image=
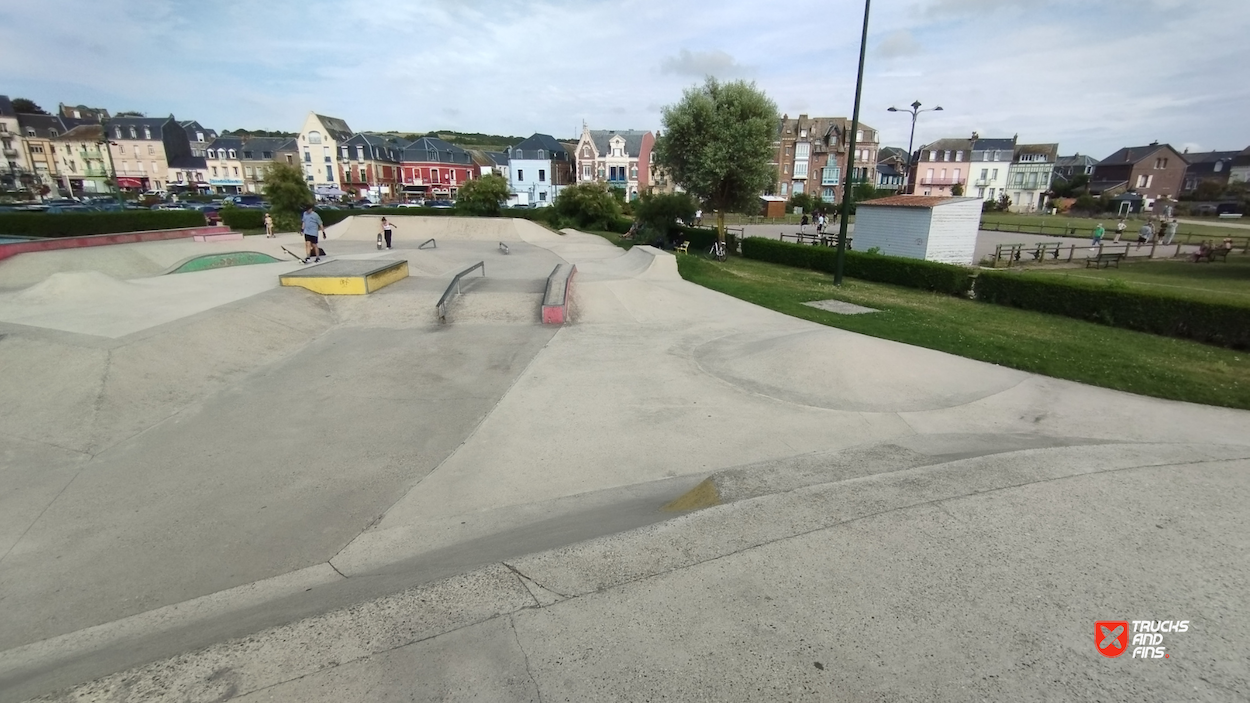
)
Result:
{"points": [[1045, 344], [1222, 282], [1086, 224]]}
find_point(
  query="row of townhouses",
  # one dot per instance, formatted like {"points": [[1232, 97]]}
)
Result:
{"points": [[82, 150], [1025, 173]]}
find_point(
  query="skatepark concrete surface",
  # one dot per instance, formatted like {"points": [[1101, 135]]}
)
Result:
{"points": [[290, 497]]}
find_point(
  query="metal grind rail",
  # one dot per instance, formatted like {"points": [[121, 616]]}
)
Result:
{"points": [[428, 241], [504, 248], [453, 289]]}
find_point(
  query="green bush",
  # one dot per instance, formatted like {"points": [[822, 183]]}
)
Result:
{"points": [[240, 218], [912, 273], [1214, 323], [80, 224], [705, 237]]}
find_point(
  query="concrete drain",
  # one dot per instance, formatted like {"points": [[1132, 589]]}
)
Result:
{"points": [[840, 307]]}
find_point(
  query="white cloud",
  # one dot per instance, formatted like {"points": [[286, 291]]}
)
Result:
{"points": [[698, 64], [1092, 76], [898, 44]]}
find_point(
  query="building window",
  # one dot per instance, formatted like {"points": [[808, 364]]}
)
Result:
{"points": [[540, 155], [266, 155], [330, 173], [314, 137], [325, 153], [785, 188], [542, 175], [235, 169], [802, 151], [139, 165], [360, 153], [586, 172], [199, 136], [307, 157], [232, 152], [364, 175], [959, 156], [933, 156], [155, 169], [994, 176], [520, 174], [800, 170], [214, 171], [151, 150], [633, 173]]}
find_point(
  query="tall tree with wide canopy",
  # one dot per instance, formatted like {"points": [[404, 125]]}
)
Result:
{"points": [[718, 145]]}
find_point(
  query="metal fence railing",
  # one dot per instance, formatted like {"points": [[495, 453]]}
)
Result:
{"points": [[453, 289], [1241, 242]]}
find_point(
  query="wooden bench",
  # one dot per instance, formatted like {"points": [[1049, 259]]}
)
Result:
{"points": [[1105, 259], [1219, 253], [1046, 247], [684, 247]]}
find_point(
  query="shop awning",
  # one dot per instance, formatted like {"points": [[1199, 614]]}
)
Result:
{"points": [[124, 182], [333, 191]]}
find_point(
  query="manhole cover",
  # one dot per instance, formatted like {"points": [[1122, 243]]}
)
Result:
{"points": [[840, 307]]}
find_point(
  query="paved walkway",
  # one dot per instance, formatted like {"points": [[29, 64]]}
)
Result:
{"points": [[880, 519]]}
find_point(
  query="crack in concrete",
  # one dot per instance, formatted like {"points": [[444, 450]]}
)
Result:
{"points": [[525, 579], [524, 654]]}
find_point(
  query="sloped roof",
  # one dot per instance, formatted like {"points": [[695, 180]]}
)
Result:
{"points": [[891, 152], [1051, 151], [156, 124], [887, 169], [1210, 157], [226, 142], [435, 150], [981, 144], [1133, 154], [188, 162], [257, 146], [914, 201], [1076, 160], [546, 142], [337, 128], [948, 145], [44, 125], [633, 140], [6, 107], [192, 126]]}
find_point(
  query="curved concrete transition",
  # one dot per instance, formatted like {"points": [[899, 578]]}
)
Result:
{"points": [[830, 368], [218, 489]]}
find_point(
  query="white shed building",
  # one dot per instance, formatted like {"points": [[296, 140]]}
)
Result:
{"points": [[932, 228]]}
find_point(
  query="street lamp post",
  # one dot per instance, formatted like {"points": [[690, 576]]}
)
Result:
{"points": [[915, 112], [848, 185]]}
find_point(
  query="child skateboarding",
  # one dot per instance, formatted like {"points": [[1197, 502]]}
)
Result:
{"points": [[313, 231]]}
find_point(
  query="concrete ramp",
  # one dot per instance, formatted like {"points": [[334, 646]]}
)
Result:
{"points": [[69, 286], [412, 230]]}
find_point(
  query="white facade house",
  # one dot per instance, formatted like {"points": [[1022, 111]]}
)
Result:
{"points": [[318, 143], [1030, 175], [988, 167], [537, 170], [933, 228]]}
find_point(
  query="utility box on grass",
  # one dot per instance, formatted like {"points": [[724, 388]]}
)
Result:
{"points": [[933, 228]]}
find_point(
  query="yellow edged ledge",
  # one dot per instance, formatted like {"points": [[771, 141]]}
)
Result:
{"points": [[347, 277]]}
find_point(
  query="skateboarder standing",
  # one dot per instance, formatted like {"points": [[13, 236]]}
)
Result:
{"points": [[269, 226], [313, 231], [387, 229]]}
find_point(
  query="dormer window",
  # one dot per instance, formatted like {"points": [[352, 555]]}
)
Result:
{"points": [[1219, 166], [133, 133], [117, 132], [199, 136], [232, 153], [147, 132], [541, 153], [30, 131]]}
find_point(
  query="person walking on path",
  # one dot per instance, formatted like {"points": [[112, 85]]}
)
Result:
{"points": [[1098, 233], [1144, 234], [387, 229], [269, 226], [1171, 230], [803, 224], [698, 218], [1119, 230], [313, 231]]}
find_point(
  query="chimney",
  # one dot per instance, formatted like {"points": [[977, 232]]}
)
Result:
{"points": [[1186, 150]]}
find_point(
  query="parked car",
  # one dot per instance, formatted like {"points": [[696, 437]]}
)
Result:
{"points": [[411, 204], [442, 204]]}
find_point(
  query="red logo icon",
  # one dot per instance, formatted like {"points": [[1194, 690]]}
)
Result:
{"points": [[1111, 637]]}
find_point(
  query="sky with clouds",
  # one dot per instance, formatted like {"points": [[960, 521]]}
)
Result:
{"points": [[1092, 76]]}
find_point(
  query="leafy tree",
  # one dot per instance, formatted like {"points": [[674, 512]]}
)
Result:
{"points": [[957, 190], [128, 113], [867, 191], [661, 212], [588, 206], [802, 200], [287, 192], [1003, 202], [27, 106], [718, 144], [1209, 189], [483, 196], [1086, 203]]}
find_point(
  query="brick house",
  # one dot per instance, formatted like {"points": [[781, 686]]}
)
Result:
{"points": [[812, 156], [370, 166], [620, 158], [434, 169], [1208, 166], [1153, 171]]}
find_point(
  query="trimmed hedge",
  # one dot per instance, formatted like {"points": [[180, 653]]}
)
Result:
{"points": [[705, 237], [912, 273], [81, 224], [242, 218], [1144, 311]]}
